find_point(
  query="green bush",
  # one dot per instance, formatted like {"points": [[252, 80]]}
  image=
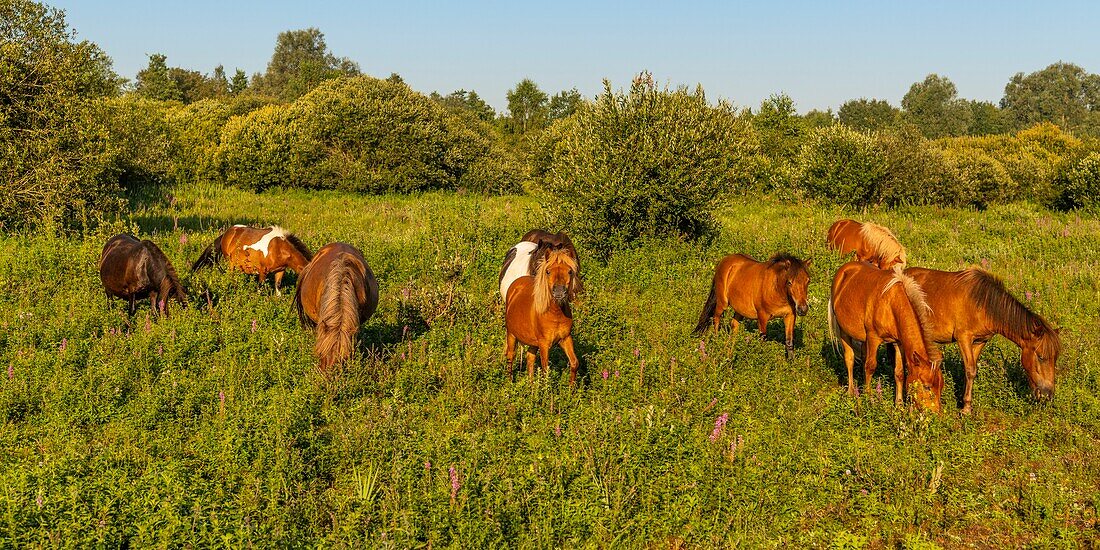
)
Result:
{"points": [[842, 166], [645, 163], [140, 139], [916, 171], [1080, 184], [980, 180], [363, 134]]}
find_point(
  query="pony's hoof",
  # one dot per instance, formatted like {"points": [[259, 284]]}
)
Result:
{"points": [[966, 409]]}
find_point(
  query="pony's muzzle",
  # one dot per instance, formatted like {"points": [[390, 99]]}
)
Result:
{"points": [[1044, 392], [559, 293], [802, 309]]}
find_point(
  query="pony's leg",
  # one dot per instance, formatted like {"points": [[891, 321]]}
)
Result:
{"points": [[849, 363], [530, 363], [153, 295], [735, 323], [788, 327], [762, 325], [870, 360], [899, 376], [719, 308], [133, 305], [970, 351], [544, 354], [567, 345], [278, 280], [510, 355]]}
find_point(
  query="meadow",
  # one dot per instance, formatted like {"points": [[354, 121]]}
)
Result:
{"points": [[211, 427]]}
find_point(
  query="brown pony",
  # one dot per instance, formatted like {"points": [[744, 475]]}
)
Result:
{"points": [[131, 269], [536, 313], [971, 306], [758, 290], [337, 293], [871, 243], [257, 252], [548, 242], [874, 306]]}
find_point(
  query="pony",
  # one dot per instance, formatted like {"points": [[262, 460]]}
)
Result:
{"points": [[517, 263], [548, 242], [971, 306], [871, 243], [537, 314], [874, 306], [758, 290], [132, 270], [337, 293], [257, 252]]}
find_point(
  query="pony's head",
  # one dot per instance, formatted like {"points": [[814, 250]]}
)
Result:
{"points": [[793, 278], [555, 275], [1039, 356], [925, 381]]}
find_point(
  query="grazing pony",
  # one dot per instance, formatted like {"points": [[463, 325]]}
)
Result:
{"points": [[548, 242], [758, 290], [873, 306], [131, 269], [537, 314], [337, 292], [871, 243], [971, 306], [257, 252]]}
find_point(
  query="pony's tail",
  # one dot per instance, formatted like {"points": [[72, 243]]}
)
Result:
{"points": [[210, 256], [834, 325], [706, 318], [338, 316], [169, 272]]}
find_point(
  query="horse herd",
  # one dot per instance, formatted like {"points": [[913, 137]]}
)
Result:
{"points": [[875, 299]]}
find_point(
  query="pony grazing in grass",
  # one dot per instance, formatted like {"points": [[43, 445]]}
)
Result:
{"points": [[537, 313], [758, 290], [257, 251], [874, 306], [871, 243], [971, 306], [132, 270], [337, 293]]}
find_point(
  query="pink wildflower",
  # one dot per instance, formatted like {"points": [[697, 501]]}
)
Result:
{"points": [[253, 325], [719, 424], [454, 482], [64, 343], [703, 348], [11, 371], [605, 374], [183, 238], [557, 430], [1027, 294], [427, 466]]}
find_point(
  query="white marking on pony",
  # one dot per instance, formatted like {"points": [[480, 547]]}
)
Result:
{"points": [[262, 244], [240, 225], [520, 266]]}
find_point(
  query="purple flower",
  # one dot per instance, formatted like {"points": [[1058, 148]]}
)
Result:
{"points": [[427, 466], [454, 482], [1027, 294], [221, 398], [878, 388], [605, 374], [719, 423], [253, 325], [557, 430], [402, 356], [637, 353], [64, 343], [148, 324], [712, 403], [11, 371], [985, 263], [703, 348], [1065, 232], [183, 238], [404, 332], [160, 349], [616, 373], [38, 500]]}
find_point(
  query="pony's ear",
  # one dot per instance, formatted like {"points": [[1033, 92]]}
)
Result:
{"points": [[808, 262], [915, 357], [1039, 331]]}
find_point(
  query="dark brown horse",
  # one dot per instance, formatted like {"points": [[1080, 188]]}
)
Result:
{"points": [[257, 251], [337, 292], [758, 290], [536, 313], [871, 243], [971, 306], [133, 270], [874, 306]]}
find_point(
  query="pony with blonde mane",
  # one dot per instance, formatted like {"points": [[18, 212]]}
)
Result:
{"points": [[537, 313], [869, 307], [337, 293], [871, 243], [973, 305]]}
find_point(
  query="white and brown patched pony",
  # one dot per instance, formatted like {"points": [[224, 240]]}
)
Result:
{"points": [[871, 243], [874, 306], [257, 251], [337, 293], [535, 246], [537, 313], [971, 306], [132, 270]]}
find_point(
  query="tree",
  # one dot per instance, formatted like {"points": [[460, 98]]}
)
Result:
{"points": [[819, 119], [300, 62], [156, 82], [934, 108], [527, 106], [564, 104], [239, 82], [1062, 93], [868, 114], [219, 84], [461, 100], [987, 119], [779, 126]]}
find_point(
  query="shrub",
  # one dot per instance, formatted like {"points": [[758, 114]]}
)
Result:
{"points": [[842, 166], [1079, 185], [645, 163], [916, 171], [140, 144], [979, 179]]}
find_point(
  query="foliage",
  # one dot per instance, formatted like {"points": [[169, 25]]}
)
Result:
{"points": [[645, 163], [817, 119], [868, 114], [527, 107], [779, 127], [1079, 185], [461, 100], [842, 166], [1062, 93], [300, 62], [934, 107], [55, 168], [564, 104]]}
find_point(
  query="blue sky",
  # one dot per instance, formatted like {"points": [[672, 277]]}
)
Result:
{"points": [[820, 53]]}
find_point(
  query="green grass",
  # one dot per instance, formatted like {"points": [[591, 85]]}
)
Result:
{"points": [[205, 429]]}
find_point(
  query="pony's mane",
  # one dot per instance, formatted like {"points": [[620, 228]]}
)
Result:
{"points": [[299, 246], [542, 287], [918, 300], [794, 265], [989, 292], [169, 270], [883, 242]]}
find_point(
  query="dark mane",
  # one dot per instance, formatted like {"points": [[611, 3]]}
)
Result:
{"points": [[168, 271], [794, 265], [989, 292], [299, 246]]}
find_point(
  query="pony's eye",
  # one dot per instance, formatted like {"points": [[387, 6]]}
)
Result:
{"points": [[547, 271], [789, 283], [1041, 358]]}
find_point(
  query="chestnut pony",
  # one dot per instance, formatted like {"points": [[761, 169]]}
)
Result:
{"points": [[547, 242], [874, 306], [758, 290], [337, 292], [971, 306], [131, 269], [871, 243], [537, 315], [257, 252]]}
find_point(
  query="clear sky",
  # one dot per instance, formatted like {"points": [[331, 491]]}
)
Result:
{"points": [[820, 53]]}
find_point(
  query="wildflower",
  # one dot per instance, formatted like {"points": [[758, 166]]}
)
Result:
{"points": [[160, 349], [557, 430], [985, 263], [253, 325], [712, 403], [11, 371], [719, 423], [1027, 294], [703, 348], [616, 373], [64, 343], [148, 324], [38, 500], [427, 466], [183, 238], [1065, 232], [404, 332], [878, 388], [605, 374], [637, 353], [454, 482]]}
